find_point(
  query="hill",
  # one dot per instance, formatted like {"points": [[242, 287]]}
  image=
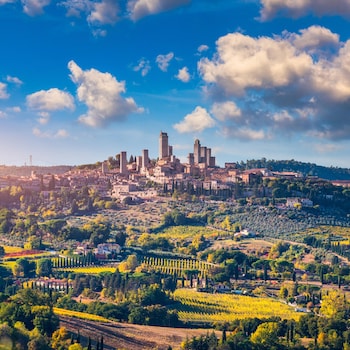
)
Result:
{"points": [[307, 169], [130, 336]]}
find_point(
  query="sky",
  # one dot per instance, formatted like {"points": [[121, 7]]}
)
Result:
{"points": [[83, 80]]}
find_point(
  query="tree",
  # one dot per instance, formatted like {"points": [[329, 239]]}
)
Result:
{"points": [[265, 334], [38, 343], [334, 304], [75, 346], [44, 267], [59, 338], [23, 267]]}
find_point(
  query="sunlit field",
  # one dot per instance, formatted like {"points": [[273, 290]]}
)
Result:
{"points": [[206, 307], [94, 270], [77, 314]]}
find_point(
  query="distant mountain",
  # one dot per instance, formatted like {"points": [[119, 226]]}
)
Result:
{"points": [[328, 173]]}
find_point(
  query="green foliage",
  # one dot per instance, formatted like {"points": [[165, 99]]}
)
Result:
{"points": [[44, 267]]}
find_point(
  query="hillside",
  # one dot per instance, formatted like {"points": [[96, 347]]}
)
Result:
{"points": [[311, 169], [130, 336]]}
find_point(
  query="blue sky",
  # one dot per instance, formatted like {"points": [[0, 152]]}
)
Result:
{"points": [[82, 80]]}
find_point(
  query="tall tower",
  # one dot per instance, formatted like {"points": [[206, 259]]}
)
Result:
{"points": [[163, 145], [123, 163], [145, 159], [197, 152]]}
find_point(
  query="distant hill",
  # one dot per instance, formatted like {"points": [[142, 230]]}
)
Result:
{"points": [[27, 170], [328, 173]]}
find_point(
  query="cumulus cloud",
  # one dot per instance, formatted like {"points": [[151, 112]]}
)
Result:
{"points": [[104, 12], [183, 75], [14, 80], [299, 8], [243, 62], [163, 61], [3, 115], [101, 92], [3, 91], [76, 7], [34, 7], [197, 121], [314, 38], [59, 134], [305, 76], [226, 111], [142, 8], [143, 66], [50, 100]]}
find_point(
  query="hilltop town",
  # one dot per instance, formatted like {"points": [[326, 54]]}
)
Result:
{"points": [[140, 178]]}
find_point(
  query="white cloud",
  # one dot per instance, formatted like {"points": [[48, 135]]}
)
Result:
{"points": [[163, 61], [50, 100], [183, 75], [3, 115], [101, 92], [197, 121], [76, 7], [243, 62], [44, 118], [143, 67], [305, 75], [14, 80], [34, 7], [104, 12], [226, 111], [314, 38], [299, 8], [3, 91], [59, 134], [203, 48], [142, 8]]}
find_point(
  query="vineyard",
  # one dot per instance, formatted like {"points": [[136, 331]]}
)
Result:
{"points": [[176, 266], [95, 270], [188, 232], [205, 307], [77, 314]]}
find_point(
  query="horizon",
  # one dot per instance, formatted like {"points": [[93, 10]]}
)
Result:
{"points": [[84, 80]]}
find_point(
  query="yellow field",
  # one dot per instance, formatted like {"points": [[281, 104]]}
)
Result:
{"points": [[9, 264], [77, 314], [10, 249], [206, 307], [88, 269]]}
